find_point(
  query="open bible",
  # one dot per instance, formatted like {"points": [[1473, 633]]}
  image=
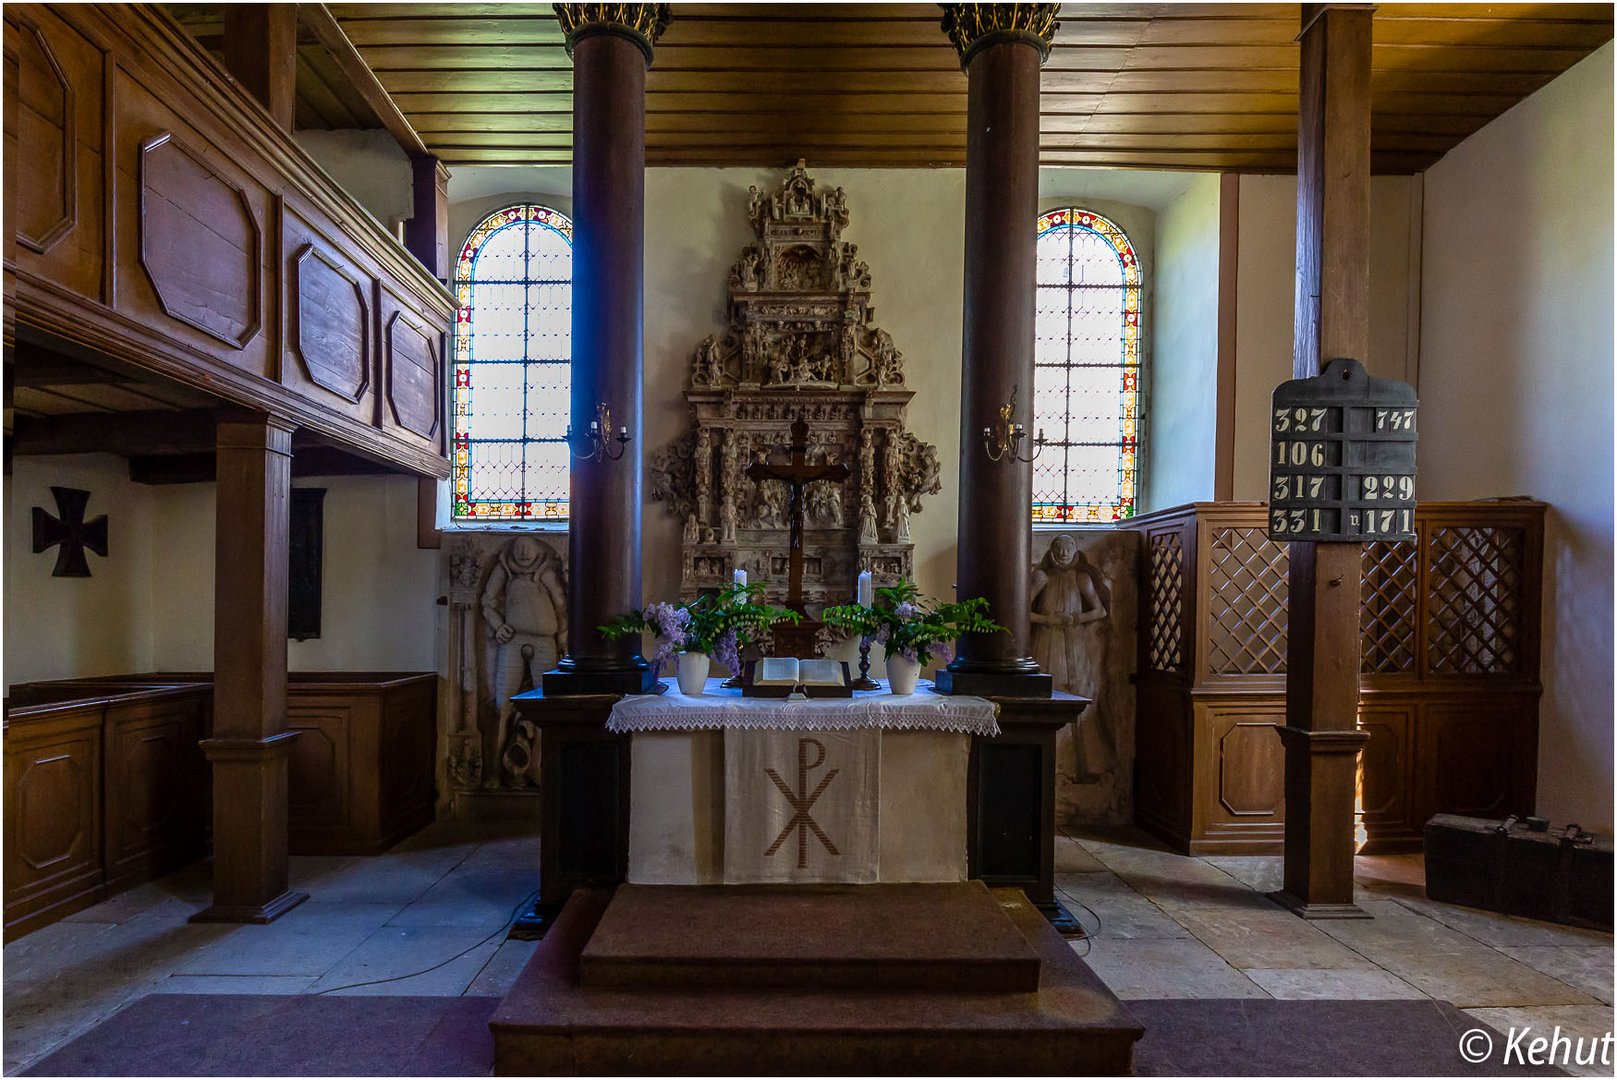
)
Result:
{"points": [[783, 676]]}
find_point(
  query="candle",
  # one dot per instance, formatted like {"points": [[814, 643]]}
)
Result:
{"points": [[865, 591], [740, 576]]}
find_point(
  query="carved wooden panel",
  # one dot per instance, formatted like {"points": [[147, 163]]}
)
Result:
{"points": [[200, 242], [407, 748], [1470, 751], [412, 374], [52, 817], [1384, 780], [1165, 623], [155, 772], [318, 775], [333, 322], [1246, 603], [54, 105], [1251, 768], [47, 200]]}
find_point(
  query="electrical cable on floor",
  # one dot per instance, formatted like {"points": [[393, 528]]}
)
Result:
{"points": [[1089, 935], [509, 919]]}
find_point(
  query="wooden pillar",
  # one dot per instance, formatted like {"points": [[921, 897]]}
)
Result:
{"points": [[426, 234], [1332, 318], [611, 47], [1001, 48], [249, 744], [261, 51]]}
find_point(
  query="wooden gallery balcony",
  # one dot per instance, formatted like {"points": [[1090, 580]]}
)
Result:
{"points": [[172, 250]]}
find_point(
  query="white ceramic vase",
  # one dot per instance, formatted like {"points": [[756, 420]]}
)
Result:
{"points": [[693, 673], [902, 673]]}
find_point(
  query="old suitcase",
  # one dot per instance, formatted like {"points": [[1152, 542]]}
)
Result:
{"points": [[1521, 866]]}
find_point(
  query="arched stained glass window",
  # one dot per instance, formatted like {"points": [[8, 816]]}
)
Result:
{"points": [[1087, 369], [513, 374]]}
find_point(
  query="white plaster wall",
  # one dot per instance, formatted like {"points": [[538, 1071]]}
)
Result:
{"points": [[378, 611], [1516, 385], [58, 628], [369, 165], [1266, 291], [1180, 439]]}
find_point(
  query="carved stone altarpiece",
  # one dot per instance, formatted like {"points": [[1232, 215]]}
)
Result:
{"points": [[802, 343]]}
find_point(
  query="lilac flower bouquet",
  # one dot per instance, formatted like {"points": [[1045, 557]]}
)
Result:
{"points": [[907, 624], [716, 624]]}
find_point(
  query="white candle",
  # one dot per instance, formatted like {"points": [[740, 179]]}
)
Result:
{"points": [[740, 576], [866, 592]]}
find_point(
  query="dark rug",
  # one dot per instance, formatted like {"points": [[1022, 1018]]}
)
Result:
{"points": [[252, 1035], [1260, 1037]]}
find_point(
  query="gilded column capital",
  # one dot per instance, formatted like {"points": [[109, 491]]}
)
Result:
{"points": [[972, 26], [642, 24]]}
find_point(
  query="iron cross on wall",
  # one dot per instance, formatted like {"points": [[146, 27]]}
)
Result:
{"points": [[71, 532], [798, 474]]}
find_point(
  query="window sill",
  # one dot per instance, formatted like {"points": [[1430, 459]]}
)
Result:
{"points": [[557, 527]]}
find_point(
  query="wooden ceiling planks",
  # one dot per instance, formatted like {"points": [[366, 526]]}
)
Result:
{"points": [[1202, 86]]}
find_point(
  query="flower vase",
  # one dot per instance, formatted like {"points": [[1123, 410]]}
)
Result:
{"points": [[693, 668], [902, 673]]}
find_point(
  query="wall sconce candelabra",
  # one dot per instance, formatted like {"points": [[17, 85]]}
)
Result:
{"points": [[1003, 441], [598, 441]]}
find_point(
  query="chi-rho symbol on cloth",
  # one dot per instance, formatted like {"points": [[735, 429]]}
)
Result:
{"points": [[802, 807]]}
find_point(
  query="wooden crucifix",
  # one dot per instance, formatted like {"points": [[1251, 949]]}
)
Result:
{"points": [[798, 474]]}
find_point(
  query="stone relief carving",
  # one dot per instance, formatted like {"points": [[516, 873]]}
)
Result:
{"points": [[801, 343], [1082, 606], [507, 599]]}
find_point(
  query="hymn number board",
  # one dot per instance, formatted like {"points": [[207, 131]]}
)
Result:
{"points": [[1342, 457]]}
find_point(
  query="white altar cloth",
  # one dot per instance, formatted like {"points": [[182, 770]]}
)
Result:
{"points": [[872, 789], [727, 710]]}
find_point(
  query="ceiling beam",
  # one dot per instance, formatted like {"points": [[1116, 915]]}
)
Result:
{"points": [[127, 434], [326, 30]]}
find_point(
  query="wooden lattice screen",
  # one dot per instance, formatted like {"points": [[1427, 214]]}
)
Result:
{"points": [[1456, 602]]}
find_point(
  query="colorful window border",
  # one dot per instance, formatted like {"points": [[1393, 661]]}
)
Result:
{"points": [[463, 464], [1128, 416]]}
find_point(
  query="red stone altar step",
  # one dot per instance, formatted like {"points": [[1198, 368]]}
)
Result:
{"points": [[873, 937], [699, 980]]}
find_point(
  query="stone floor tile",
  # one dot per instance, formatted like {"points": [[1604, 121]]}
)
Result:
{"points": [[384, 879], [502, 969], [1592, 1023], [510, 852], [412, 960], [1182, 968], [1109, 908], [473, 897], [308, 873], [1072, 858], [1587, 968], [1392, 929], [308, 940], [1479, 978], [1495, 928], [232, 984], [46, 945], [1338, 984], [1268, 939]]}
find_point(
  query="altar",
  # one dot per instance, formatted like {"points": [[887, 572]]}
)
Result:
{"points": [[732, 790]]}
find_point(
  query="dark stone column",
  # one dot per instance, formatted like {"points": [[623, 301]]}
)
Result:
{"points": [[1001, 47], [611, 47]]}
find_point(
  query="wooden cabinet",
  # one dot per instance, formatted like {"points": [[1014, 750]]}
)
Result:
{"points": [[1448, 675], [104, 789]]}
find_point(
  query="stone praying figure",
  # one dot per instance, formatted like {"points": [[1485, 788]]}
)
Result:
{"points": [[1069, 604]]}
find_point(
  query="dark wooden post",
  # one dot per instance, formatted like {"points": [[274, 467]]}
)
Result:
{"points": [[1001, 47], [261, 51], [1322, 737], [611, 47], [249, 744], [426, 234]]}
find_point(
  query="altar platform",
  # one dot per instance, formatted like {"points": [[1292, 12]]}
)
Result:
{"points": [[822, 980]]}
